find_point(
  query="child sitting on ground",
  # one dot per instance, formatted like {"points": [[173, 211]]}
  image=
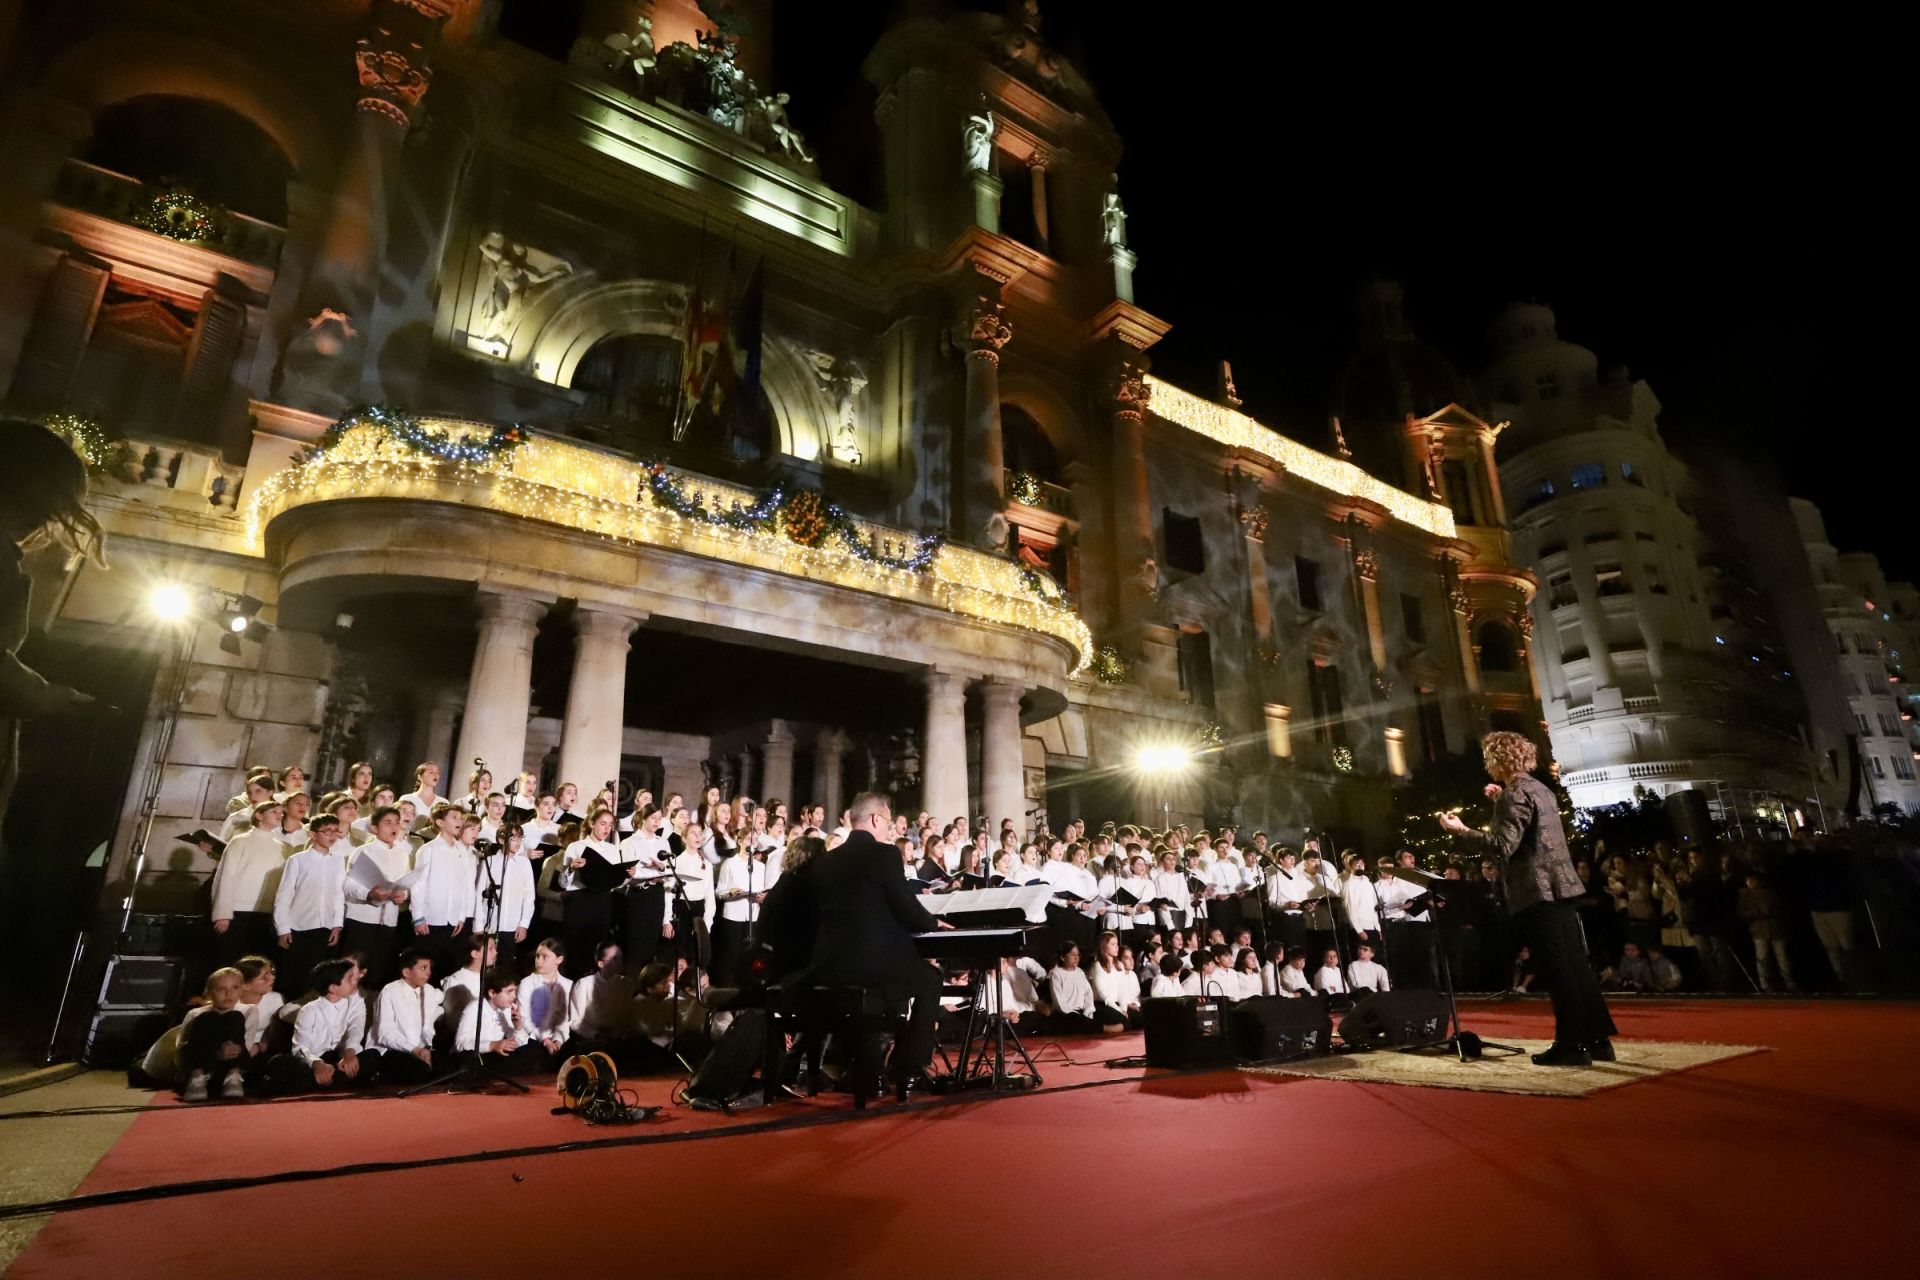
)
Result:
{"points": [[327, 1035], [214, 1038]]}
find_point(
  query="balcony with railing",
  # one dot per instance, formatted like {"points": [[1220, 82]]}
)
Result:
{"points": [[560, 482], [90, 189]]}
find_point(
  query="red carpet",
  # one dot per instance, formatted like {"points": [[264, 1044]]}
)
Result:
{"points": [[1785, 1163]]}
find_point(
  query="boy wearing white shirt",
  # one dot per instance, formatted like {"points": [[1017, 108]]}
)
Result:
{"points": [[404, 1020], [501, 1038], [543, 998], [462, 988], [1293, 974], [245, 881], [327, 1035], [1328, 980], [373, 915], [1167, 981], [309, 905], [1362, 903], [443, 898], [1364, 975]]}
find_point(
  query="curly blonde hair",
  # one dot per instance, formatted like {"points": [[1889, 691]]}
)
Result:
{"points": [[1508, 754]]}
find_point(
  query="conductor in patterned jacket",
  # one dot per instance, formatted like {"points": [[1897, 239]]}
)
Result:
{"points": [[1541, 888], [868, 918]]}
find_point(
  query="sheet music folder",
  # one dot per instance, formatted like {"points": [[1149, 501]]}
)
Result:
{"points": [[1014, 905]]}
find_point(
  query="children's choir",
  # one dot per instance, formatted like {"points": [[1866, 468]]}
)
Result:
{"points": [[368, 936]]}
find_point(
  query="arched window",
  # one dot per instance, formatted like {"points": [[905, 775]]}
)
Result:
{"points": [[1498, 650], [212, 151], [631, 381], [1026, 446]]}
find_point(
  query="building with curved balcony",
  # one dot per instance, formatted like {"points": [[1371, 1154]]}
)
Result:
{"points": [[545, 406], [1656, 664]]}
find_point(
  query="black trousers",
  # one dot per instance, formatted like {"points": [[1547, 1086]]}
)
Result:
{"points": [[641, 911], [914, 1049], [395, 1067], [729, 950], [294, 971], [1410, 953], [250, 933], [586, 922], [378, 942], [201, 1042], [1552, 931], [1290, 930], [449, 953]]}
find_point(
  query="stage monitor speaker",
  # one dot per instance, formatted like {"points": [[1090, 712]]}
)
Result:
{"points": [[729, 1067], [1276, 1028], [1396, 1019], [1185, 1031], [118, 1037], [1687, 811], [148, 981]]}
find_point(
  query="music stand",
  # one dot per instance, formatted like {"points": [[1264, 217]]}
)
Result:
{"points": [[1463, 1044]]}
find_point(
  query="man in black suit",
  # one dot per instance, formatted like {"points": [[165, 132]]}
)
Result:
{"points": [[867, 921]]}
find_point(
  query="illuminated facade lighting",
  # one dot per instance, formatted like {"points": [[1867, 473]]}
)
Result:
{"points": [[1236, 430]]}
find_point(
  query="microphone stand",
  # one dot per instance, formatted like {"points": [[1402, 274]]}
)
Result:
{"points": [[474, 1071]]}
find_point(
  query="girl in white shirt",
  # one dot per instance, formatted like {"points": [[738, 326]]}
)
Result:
{"points": [[1170, 882], [1246, 975], [508, 870], [587, 914], [1116, 989], [544, 996], [479, 785]]}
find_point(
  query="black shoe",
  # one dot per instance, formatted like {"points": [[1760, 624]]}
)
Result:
{"points": [[915, 1086], [1563, 1055], [1601, 1050]]}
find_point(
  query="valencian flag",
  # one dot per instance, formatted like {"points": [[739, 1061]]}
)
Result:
{"points": [[722, 370]]}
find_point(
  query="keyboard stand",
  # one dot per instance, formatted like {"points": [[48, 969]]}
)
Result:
{"points": [[988, 1028]]}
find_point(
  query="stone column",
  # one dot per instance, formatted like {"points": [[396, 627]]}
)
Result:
{"points": [[1462, 608], [1003, 775], [322, 364], [499, 688], [591, 731], [943, 748], [1136, 573], [1366, 563], [981, 331], [776, 764], [1254, 518], [743, 772], [828, 749], [438, 747], [1037, 176]]}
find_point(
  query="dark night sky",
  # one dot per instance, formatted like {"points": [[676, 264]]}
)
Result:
{"points": [[1722, 224]]}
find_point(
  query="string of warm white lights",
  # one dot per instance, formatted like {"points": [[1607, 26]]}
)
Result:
{"points": [[564, 484], [1236, 430]]}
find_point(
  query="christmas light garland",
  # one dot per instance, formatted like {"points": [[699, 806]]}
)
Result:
{"points": [[386, 454], [442, 446], [103, 451]]}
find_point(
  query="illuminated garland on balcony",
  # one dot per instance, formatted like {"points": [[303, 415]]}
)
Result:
{"points": [[103, 451], [409, 431], [559, 483], [769, 510], [177, 215], [758, 517]]}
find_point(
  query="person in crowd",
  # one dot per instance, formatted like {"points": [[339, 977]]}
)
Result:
{"points": [[426, 777], [1365, 974], [404, 1018], [1541, 888], [508, 874], [328, 1035], [1765, 915], [309, 904], [497, 1033], [461, 988], [371, 913], [600, 1010], [213, 1040], [1327, 979], [443, 897], [1166, 980], [259, 791], [1666, 974], [544, 995], [1023, 999], [1632, 972], [245, 883], [1116, 989], [1361, 901], [1073, 1004]]}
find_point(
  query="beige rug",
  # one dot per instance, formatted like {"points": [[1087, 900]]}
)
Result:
{"points": [[1498, 1073]]}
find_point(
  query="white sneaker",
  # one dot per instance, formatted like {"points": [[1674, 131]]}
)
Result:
{"points": [[234, 1086], [196, 1090]]}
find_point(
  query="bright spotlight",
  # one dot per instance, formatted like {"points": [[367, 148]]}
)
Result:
{"points": [[1162, 758], [237, 624], [170, 602]]}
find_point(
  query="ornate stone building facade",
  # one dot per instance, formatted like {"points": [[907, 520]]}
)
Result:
{"points": [[682, 466]]}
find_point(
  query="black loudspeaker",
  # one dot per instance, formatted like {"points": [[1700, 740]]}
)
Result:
{"points": [[153, 934], [1185, 1031], [1396, 1019], [120, 1036], [152, 981], [1276, 1028], [729, 1068], [1692, 820]]}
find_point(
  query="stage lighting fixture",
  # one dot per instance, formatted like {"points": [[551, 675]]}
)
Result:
{"points": [[236, 623], [1162, 758]]}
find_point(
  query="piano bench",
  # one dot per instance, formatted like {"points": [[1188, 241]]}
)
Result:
{"points": [[858, 1013]]}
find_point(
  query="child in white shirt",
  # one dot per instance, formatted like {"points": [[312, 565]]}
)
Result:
{"points": [[1364, 975]]}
